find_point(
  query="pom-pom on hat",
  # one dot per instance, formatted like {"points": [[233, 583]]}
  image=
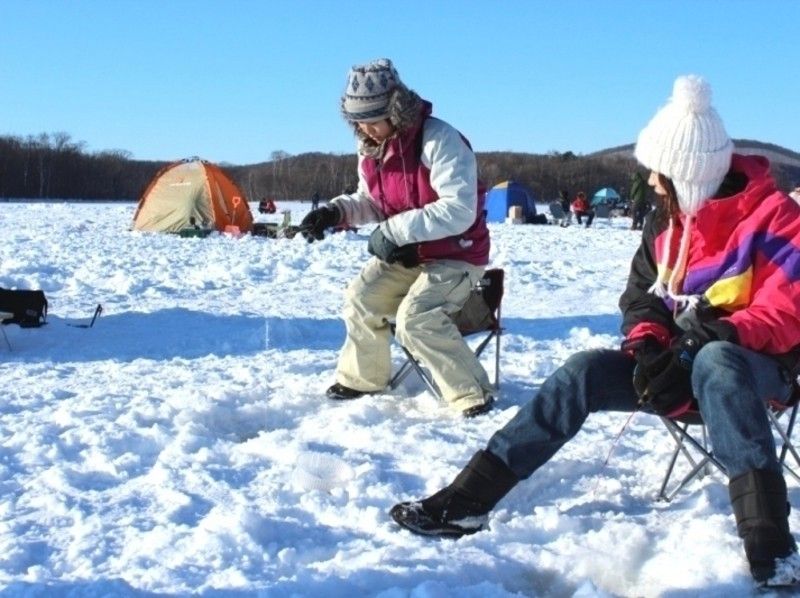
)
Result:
{"points": [[686, 141], [369, 89]]}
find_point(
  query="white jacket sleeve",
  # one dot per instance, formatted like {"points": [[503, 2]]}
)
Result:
{"points": [[358, 208], [454, 177]]}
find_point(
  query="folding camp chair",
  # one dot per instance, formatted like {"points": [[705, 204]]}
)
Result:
{"points": [[480, 315], [602, 211], [559, 215], [700, 455]]}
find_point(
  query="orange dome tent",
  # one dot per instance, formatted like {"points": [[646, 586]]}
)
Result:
{"points": [[192, 194]]}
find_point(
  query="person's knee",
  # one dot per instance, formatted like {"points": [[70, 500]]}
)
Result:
{"points": [[352, 298], [410, 325], [717, 359], [579, 364], [602, 379], [358, 297], [714, 358]]}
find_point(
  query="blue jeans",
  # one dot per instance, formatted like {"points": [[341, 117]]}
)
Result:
{"points": [[731, 384]]}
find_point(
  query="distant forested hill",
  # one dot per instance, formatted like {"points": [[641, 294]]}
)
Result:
{"points": [[785, 163], [54, 166]]}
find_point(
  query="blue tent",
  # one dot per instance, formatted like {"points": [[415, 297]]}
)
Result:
{"points": [[506, 194], [606, 195]]}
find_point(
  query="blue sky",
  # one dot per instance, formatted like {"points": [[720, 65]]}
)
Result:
{"points": [[235, 81]]}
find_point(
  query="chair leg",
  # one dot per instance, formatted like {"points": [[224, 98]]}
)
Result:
{"points": [[678, 435], [787, 447], [425, 378], [662, 495], [495, 334], [401, 374], [708, 455], [404, 370], [409, 366], [681, 438]]}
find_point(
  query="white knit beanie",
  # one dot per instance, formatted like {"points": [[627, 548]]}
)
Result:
{"points": [[369, 87], [686, 141]]}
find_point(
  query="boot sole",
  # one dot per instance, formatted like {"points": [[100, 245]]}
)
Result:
{"points": [[419, 524], [477, 410]]}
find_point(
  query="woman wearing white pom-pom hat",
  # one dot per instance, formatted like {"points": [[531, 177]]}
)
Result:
{"points": [[711, 318]]}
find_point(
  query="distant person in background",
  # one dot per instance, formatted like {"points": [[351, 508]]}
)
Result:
{"points": [[640, 206], [563, 199], [267, 206], [711, 317], [315, 200], [418, 179], [580, 207]]}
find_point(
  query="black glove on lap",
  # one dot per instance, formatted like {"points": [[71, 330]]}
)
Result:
{"points": [[664, 384], [385, 250], [663, 377], [690, 343], [316, 221], [661, 381], [406, 255]]}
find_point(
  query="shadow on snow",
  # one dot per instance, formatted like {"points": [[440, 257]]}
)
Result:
{"points": [[183, 333]]}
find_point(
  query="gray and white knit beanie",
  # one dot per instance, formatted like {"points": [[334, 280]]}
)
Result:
{"points": [[369, 88], [686, 141]]}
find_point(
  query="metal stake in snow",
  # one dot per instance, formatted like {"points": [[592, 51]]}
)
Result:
{"points": [[97, 311]]}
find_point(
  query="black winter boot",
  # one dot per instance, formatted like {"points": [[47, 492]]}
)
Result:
{"points": [[761, 509], [340, 392], [462, 507]]}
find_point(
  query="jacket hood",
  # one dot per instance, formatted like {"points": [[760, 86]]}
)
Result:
{"points": [[753, 172]]}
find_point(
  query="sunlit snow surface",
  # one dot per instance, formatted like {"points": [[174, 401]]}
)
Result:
{"points": [[184, 443]]}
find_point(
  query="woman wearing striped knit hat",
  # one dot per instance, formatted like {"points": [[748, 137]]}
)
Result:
{"points": [[711, 316]]}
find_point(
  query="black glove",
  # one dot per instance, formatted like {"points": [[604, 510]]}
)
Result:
{"points": [[664, 384], [661, 380], [663, 377], [690, 343], [385, 250], [406, 255], [316, 221]]}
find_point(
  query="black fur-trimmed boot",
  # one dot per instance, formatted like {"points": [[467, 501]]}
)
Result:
{"points": [[462, 507], [761, 509]]}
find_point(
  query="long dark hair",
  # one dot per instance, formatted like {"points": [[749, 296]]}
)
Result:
{"points": [[668, 206]]}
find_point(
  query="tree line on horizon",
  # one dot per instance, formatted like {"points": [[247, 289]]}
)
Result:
{"points": [[53, 166]]}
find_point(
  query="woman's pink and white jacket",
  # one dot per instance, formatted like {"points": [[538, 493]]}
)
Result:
{"points": [[422, 186]]}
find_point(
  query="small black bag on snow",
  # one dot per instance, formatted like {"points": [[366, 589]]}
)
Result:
{"points": [[29, 307]]}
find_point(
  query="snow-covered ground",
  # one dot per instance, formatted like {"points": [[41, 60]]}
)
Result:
{"points": [[184, 443]]}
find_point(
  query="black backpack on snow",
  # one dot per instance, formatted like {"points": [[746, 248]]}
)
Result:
{"points": [[29, 307]]}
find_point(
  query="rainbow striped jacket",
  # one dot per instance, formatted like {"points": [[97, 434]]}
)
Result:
{"points": [[743, 265]]}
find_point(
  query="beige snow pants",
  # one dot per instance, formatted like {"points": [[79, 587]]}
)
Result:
{"points": [[420, 301]]}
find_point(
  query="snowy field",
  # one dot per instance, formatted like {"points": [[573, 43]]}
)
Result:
{"points": [[184, 445]]}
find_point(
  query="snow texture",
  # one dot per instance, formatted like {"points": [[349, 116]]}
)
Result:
{"points": [[184, 445]]}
